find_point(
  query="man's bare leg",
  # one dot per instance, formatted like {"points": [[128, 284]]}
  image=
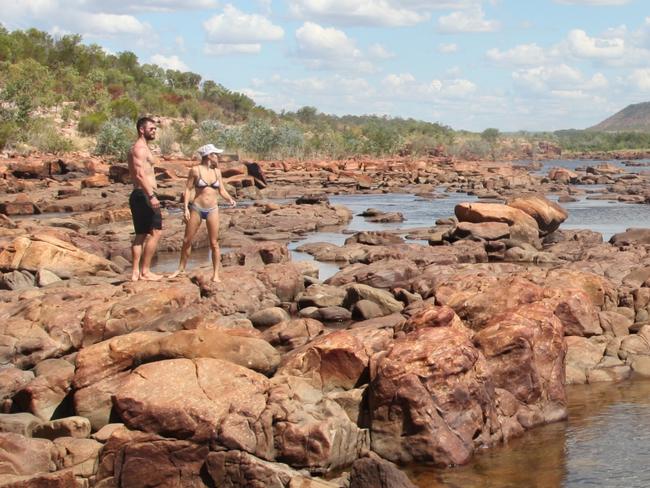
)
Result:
{"points": [[149, 249], [136, 254]]}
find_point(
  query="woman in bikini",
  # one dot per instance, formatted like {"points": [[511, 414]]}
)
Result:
{"points": [[205, 180]]}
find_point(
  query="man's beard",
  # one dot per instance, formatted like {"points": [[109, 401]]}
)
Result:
{"points": [[149, 137]]}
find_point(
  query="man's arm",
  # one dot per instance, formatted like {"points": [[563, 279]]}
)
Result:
{"points": [[140, 173]]}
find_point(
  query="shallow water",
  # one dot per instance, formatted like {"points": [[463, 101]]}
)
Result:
{"points": [[602, 444]]}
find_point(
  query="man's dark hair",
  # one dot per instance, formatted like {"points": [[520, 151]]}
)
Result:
{"points": [[142, 121]]}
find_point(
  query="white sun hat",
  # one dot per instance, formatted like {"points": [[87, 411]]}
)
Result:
{"points": [[209, 149]]}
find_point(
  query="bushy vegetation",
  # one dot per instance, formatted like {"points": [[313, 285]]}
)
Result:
{"points": [[107, 92], [115, 138], [580, 140]]}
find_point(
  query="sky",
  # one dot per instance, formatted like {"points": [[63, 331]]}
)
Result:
{"points": [[536, 65]]}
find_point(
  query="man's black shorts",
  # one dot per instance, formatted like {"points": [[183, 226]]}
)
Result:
{"points": [[145, 217]]}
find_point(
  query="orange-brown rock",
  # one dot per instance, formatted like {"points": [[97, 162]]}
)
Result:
{"points": [[477, 298], [548, 215], [34, 252], [96, 181], [525, 352], [132, 458], [202, 400], [431, 398], [250, 352], [336, 360], [493, 212]]}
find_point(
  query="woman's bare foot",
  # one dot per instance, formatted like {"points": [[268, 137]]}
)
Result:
{"points": [[150, 276], [216, 279], [178, 272], [135, 276]]}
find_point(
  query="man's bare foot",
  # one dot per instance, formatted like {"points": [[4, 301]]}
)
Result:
{"points": [[135, 276], [178, 272], [150, 276], [216, 279]]}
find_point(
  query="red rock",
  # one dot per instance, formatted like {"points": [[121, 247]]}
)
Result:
{"points": [[525, 352], [96, 181], [140, 459], [431, 398], [493, 212], [42, 251], [202, 400], [548, 215]]}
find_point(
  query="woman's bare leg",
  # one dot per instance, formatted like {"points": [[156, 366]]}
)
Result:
{"points": [[191, 227], [212, 223]]}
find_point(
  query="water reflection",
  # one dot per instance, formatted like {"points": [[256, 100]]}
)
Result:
{"points": [[602, 444]]}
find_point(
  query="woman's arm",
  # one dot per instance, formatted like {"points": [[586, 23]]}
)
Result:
{"points": [[223, 192], [189, 186]]}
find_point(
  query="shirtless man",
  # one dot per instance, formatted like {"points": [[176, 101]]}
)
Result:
{"points": [[145, 207]]}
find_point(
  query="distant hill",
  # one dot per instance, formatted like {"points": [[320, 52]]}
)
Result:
{"points": [[635, 117]]}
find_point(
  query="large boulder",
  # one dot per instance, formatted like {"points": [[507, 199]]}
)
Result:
{"points": [[21, 455], [431, 398], [548, 215], [476, 298], [525, 351], [311, 429], [338, 360], [34, 252], [47, 391], [131, 458], [238, 469], [201, 400], [494, 212], [250, 352], [137, 305]]}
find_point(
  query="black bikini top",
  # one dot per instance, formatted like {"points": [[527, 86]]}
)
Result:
{"points": [[201, 183]]}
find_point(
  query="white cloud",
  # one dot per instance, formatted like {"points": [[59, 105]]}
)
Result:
{"points": [[179, 41], [594, 2], [314, 40], [334, 94], [401, 79], [234, 31], [369, 12], [161, 5], [96, 25], [236, 27], [524, 54], [584, 46], [329, 48], [558, 78], [226, 49], [447, 48], [453, 88], [470, 20], [640, 78], [380, 52], [77, 16], [169, 62]]}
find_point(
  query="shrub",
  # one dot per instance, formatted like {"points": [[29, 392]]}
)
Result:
{"points": [[290, 141], [90, 124], [124, 108], [8, 132], [166, 139], [43, 135], [259, 137], [115, 138]]}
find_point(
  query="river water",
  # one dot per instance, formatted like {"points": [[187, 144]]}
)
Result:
{"points": [[604, 441]]}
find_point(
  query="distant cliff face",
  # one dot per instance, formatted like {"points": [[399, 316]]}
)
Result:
{"points": [[634, 117]]}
